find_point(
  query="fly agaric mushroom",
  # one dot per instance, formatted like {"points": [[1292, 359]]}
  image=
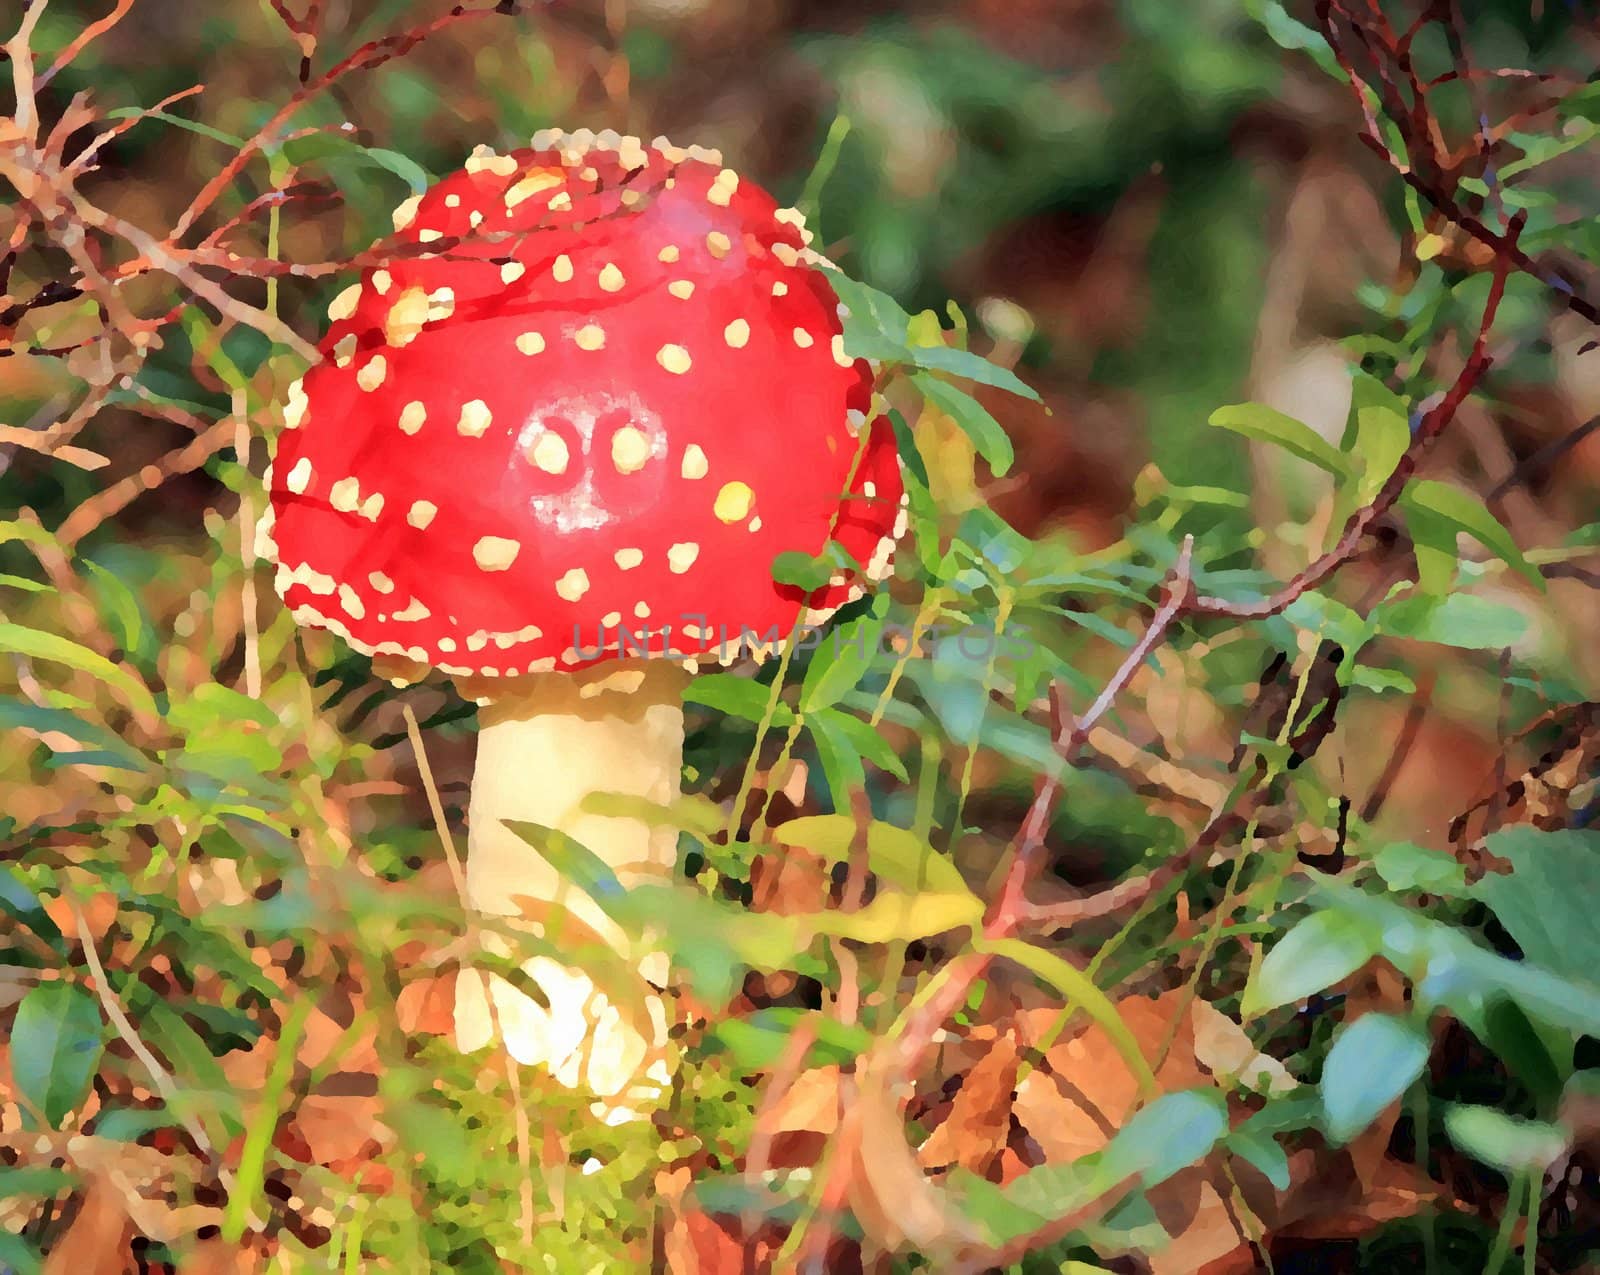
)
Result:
{"points": [[555, 446]]}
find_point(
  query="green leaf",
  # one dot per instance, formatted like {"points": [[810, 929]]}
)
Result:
{"points": [[1317, 953], [737, 696], [315, 146], [39, 645], [1372, 1063], [1267, 425], [970, 367], [17, 1256], [866, 740], [1460, 620], [841, 760], [809, 572], [1259, 1149], [1079, 989], [56, 1043], [1380, 681], [177, 121], [1404, 866], [1508, 1143], [987, 436], [842, 659], [1382, 436], [1546, 902], [34, 1180], [895, 854], [17, 900], [1449, 969], [1518, 1043], [895, 916], [1466, 512], [1173, 1132]]}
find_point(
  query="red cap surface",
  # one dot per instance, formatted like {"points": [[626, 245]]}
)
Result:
{"points": [[600, 384]]}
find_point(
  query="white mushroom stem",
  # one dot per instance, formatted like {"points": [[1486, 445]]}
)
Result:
{"points": [[545, 743]]}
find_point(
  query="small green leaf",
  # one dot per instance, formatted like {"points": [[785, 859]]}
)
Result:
{"points": [[1317, 953], [1506, 1142], [177, 121], [737, 696], [1404, 866], [1460, 620], [39, 645], [987, 436], [970, 367], [1382, 436], [866, 740], [1546, 902], [56, 1043], [843, 657], [1380, 681], [1173, 1132], [1267, 425], [1259, 1149], [1372, 1063], [809, 572], [1466, 512]]}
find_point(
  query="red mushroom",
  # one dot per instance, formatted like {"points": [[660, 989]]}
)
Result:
{"points": [[599, 387]]}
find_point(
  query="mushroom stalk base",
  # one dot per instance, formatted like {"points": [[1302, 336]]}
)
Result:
{"points": [[545, 743]]}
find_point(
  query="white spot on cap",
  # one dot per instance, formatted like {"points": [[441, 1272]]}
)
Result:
{"points": [[345, 495], [674, 358], [737, 334], [511, 271], [428, 234], [530, 343], [475, 419], [642, 610], [452, 201], [630, 449], [549, 453], [352, 604], [406, 316], [344, 305], [610, 620], [412, 415], [561, 271], [694, 462], [344, 350], [421, 514], [727, 181], [372, 373], [371, 507], [406, 212], [669, 254], [591, 336], [294, 410], [561, 202], [611, 278], [804, 339], [299, 477], [734, 502], [681, 288], [381, 582], [839, 356], [790, 216], [719, 244], [530, 186], [414, 611], [681, 556], [495, 553], [381, 279], [574, 584], [780, 289], [628, 559]]}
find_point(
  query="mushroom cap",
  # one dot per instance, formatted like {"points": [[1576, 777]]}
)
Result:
{"points": [[597, 388]]}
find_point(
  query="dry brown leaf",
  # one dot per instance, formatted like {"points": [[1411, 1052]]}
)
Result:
{"points": [[809, 1105], [1192, 1207], [427, 1006], [338, 1127], [95, 1243], [1087, 1093], [979, 1122], [1223, 1048], [217, 1257]]}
